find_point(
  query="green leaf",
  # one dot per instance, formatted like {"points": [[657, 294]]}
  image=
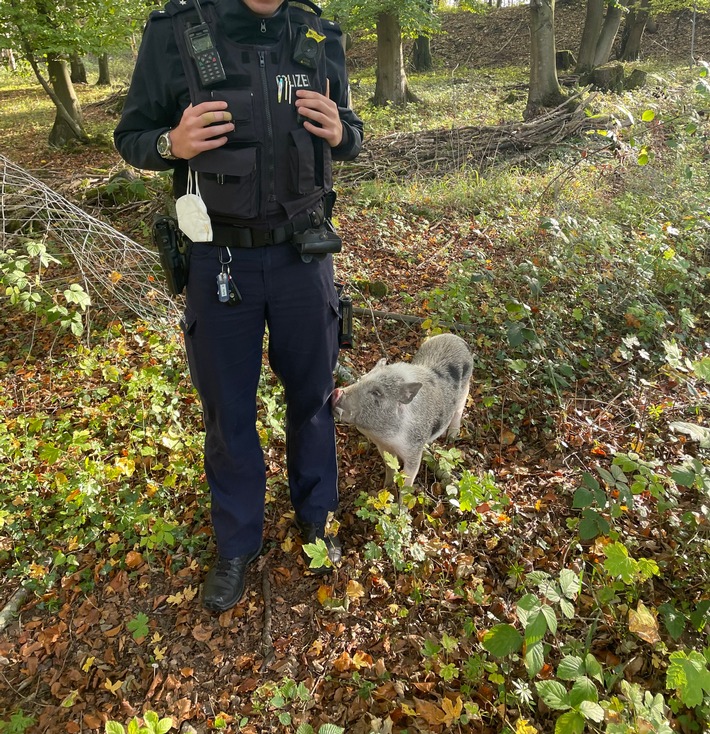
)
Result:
{"points": [[567, 608], [569, 583], [618, 564], [305, 729], [591, 710], [164, 725], [648, 115], [700, 617], [688, 675], [583, 497], [502, 640], [583, 690], [318, 553], [331, 729], [113, 727], [702, 369], [554, 694], [138, 626], [535, 629], [570, 723], [550, 618], [592, 524], [534, 659], [527, 607], [594, 669], [570, 668]]}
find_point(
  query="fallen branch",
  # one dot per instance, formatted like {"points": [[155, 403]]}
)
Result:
{"points": [[442, 151], [9, 612]]}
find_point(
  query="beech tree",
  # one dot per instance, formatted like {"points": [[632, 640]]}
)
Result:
{"points": [[48, 34], [544, 90], [604, 18], [601, 24], [391, 20]]}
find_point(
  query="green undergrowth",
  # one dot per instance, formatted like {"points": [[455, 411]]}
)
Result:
{"points": [[575, 600]]}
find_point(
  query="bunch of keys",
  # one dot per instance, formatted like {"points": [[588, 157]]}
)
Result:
{"points": [[227, 291]]}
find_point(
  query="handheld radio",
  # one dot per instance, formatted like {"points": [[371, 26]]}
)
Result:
{"points": [[200, 46]]}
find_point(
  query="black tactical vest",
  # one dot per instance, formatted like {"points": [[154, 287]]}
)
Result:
{"points": [[271, 168]]}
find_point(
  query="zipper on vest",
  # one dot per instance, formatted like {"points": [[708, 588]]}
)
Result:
{"points": [[263, 26], [269, 148]]}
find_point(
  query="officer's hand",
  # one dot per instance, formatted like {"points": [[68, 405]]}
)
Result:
{"points": [[193, 136], [320, 108]]}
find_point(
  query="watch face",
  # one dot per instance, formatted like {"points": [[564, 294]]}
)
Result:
{"points": [[164, 144]]}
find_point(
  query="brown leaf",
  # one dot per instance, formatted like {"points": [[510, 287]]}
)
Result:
{"points": [[201, 634], [643, 624], [93, 721], [133, 559], [429, 711], [343, 662]]}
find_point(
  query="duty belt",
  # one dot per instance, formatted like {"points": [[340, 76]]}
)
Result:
{"points": [[228, 235]]}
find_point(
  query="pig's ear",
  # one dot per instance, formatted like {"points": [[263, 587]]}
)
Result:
{"points": [[382, 362], [408, 391]]}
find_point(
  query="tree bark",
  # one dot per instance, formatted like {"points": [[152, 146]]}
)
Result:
{"points": [[69, 121], [612, 21], [104, 79], [391, 82], [421, 56], [633, 32], [78, 70], [544, 91], [590, 35]]}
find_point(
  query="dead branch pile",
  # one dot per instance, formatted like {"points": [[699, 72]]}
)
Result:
{"points": [[442, 151]]}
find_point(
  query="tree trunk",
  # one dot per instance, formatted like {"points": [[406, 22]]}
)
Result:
{"points": [[633, 32], [421, 57], [78, 70], [544, 91], [104, 79], [391, 81], [64, 130], [612, 21], [590, 35]]}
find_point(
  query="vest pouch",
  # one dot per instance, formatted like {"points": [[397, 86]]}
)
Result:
{"points": [[241, 105], [302, 162], [229, 181]]}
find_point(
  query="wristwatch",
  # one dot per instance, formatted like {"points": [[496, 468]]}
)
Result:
{"points": [[165, 147]]}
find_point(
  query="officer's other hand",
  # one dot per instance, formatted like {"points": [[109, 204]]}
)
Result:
{"points": [[320, 108], [194, 135]]}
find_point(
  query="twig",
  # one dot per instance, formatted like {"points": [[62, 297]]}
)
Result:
{"points": [[266, 639]]}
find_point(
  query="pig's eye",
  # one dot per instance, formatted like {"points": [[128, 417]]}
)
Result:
{"points": [[376, 392]]}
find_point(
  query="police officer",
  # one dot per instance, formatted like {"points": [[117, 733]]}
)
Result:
{"points": [[248, 102]]}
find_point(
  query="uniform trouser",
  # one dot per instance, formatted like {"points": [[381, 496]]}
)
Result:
{"points": [[298, 303]]}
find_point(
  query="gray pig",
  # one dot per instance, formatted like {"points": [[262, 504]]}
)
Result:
{"points": [[402, 407]]}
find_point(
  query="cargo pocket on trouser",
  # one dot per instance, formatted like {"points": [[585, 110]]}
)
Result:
{"points": [[229, 181], [302, 163]]}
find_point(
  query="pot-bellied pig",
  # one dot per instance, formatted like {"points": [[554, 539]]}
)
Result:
{"points": [[401, 407]]}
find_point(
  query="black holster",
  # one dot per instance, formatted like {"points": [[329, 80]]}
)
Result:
{"points": [[174, 251]]}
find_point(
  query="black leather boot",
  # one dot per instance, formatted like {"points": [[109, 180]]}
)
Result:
{"points": [[310, 532], [225, 582]]}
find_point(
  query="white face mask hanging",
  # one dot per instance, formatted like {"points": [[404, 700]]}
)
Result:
{"points": [[191, 211]]}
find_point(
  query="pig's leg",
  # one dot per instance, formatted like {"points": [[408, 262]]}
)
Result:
{"points": [[412, 462], [389, 471], [453, 429]]}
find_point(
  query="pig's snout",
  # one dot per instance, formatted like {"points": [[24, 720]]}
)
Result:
{"points": [[335, 399]]}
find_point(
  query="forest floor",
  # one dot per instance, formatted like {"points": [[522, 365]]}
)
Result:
{"points": [[373, 647]]}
